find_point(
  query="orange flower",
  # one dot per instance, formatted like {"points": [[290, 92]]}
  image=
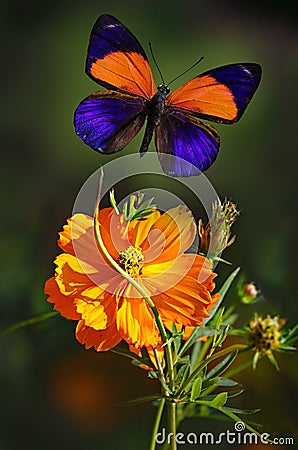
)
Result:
{"points": [[86, 288]]}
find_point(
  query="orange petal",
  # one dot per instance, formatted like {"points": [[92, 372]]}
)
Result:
{"points": [[139, 229], [136, 323], [170, 235], [101, 340], [98, 314], [62, 303], [70, 277], [76, 227], [160, 277]]}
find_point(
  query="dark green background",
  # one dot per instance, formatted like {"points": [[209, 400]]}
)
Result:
{"points": [[54, 394]]}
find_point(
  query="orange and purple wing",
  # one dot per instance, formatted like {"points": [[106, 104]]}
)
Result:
{"points": [[220, 95], [107, 120], [185, 145], [116, 59]]}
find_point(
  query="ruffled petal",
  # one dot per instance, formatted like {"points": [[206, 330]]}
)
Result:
{"points": [[77, 237], [101, 340], [70, 276], [62, 303], [98, 314]]}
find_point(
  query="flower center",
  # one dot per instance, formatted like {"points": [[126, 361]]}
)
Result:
{"points": [[130, 260]]}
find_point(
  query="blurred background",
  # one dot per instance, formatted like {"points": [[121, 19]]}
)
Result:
{"points": [[54, 394]]}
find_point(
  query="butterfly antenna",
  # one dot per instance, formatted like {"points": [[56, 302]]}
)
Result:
{"points": [[187, 70], [155, 62]]}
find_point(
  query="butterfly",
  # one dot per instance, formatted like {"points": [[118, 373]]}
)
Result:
{"points": [[109, 119]]}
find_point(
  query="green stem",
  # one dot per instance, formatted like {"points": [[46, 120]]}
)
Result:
{"points": [[171, 410], [25, 323], [157, 423], [161, 376]]}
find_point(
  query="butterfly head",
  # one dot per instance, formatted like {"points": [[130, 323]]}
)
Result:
{"points": [[163, 89]]}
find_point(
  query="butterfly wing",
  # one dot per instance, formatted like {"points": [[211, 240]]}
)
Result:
{"points": [[116, 60], [107, 120], [187, 140], [220, 95]]}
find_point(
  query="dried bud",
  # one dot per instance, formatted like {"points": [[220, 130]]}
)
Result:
{"points": [[215, 236], [265, 336]]}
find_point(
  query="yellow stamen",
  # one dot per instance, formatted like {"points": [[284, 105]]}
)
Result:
{"points": [[130, 260]]}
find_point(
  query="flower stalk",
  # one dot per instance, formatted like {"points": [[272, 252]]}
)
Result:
{"points": [[171, 407]]}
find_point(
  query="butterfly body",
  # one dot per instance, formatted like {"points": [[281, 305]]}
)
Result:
{"points": [[109, 119], [155, 109]]}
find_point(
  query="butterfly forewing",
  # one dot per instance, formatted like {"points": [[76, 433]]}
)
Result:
{"points": [[116, 60]]}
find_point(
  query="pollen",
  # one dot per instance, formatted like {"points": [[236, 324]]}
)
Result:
{"points": [[131, 260]]}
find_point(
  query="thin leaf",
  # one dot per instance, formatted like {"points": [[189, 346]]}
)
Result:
{"points": [[219, 400], [242, 411], [140, 400], [226, 382], [196, 389], [222, 366], [222, 292], [199, 332], [235, 393], [231, 415], [182, 374], [124, 352]]}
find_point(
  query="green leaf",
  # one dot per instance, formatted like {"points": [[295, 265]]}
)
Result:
{"points": [[124, 352], [222, 366], [196, 389], [219, 400], [223, 290], [199, 332], [177, 338], [226, 382], [229, 413], [182, 374], [140, 400], [242, 411], [235, 393]]}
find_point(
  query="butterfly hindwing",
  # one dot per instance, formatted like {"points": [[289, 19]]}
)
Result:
{"points": [[186, 139], [220, 95], [107, 120], [116, 59]]}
